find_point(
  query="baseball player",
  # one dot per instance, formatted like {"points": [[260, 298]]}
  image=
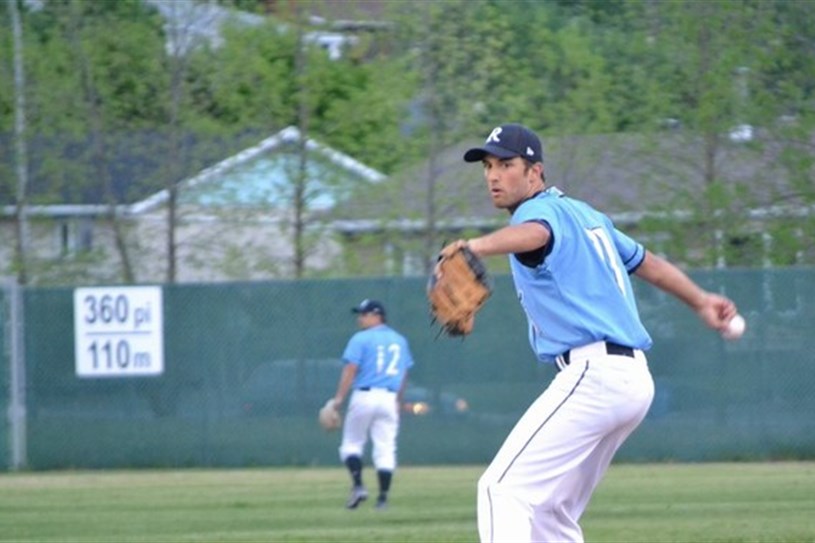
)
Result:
{"points": [[571, 269], [376, 363]]}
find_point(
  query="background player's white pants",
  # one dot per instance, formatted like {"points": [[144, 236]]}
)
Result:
{"points": [[375, 410], [542, 478]]}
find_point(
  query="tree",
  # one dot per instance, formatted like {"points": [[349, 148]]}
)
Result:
{"points": [[21, 155], [456, 52], [269, 76], [477, 64], [79, 95], [713, 57], [444, 73], [782, 91]]}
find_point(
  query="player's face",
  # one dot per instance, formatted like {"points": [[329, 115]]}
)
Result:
{"points": [[367, 320], [511, 181]]}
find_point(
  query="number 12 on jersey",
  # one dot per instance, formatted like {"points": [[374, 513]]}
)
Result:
{"points": [[387, 359]]}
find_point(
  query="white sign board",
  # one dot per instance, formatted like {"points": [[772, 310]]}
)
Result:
{"points": [[118, 331]]}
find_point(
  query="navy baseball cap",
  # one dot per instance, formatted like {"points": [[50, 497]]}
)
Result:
{"points": [[369, 306], [508, 141]]}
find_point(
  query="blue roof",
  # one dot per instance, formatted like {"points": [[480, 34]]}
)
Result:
{"points": [[270, 181], [267, 175]]}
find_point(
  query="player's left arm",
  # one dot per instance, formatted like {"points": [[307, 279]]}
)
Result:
{"points": [[349, 373], [401, 393], [713, 309], [516, 238]]}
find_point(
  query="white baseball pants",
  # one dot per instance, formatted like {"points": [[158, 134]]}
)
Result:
{"points": [[375, 411], [542, 478]]}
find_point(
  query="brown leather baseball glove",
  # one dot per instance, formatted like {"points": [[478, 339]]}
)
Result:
{"points": [[457, 289]]}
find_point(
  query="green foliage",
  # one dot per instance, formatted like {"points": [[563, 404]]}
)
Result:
{"points": [[704, 52], [365, 118], [107, 55], [248, 81], [444, 72], [6, 74]]}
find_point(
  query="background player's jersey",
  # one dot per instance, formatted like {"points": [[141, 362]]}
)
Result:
{"points": [[587, 255], [383, 357]]}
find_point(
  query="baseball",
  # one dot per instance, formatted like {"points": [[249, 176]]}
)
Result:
{"points": [[735, 328]]}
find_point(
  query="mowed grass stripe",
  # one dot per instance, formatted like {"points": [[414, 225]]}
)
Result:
{"points": [[749, 502], [705, 502]]}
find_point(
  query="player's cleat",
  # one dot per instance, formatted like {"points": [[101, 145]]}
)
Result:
{"points": [[381, 503], [358, 495]]}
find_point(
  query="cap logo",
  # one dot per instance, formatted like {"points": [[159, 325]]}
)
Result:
{"points": [[494, 135], [530, 152]]}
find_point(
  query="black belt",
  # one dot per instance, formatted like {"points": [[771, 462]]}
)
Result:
{"points": [[611, 348], [366, 389]]}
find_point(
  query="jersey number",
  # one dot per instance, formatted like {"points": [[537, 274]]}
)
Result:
{"points": [[602, 244], [391, 365]]}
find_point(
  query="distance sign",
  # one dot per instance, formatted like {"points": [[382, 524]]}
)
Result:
{"points": [[119, 331]]}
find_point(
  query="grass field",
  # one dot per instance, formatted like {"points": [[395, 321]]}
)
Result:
{"points": [[772, 502]]}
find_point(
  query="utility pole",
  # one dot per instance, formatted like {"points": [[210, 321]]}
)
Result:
{"points": [[21, 219]]}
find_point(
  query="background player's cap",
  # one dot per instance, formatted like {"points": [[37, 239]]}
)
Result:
{"points": [[508, 141], [369, 306]]}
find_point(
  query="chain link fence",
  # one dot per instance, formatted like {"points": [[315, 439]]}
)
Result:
{"points": [[246, 366]]}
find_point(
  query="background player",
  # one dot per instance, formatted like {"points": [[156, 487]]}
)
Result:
{"points": [[571, 271], [376, 363]]}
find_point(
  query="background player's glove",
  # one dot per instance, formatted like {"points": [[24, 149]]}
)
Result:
{"points": [[457, 290], [329, 416]]}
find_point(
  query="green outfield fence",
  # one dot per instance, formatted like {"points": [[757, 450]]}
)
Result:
{"points": [[247, 365]]}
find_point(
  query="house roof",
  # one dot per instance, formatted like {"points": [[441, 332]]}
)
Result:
{"points": [[68, 170], [189, 23], [253, 176], [625, 175], [259, 175], [352, 14]]}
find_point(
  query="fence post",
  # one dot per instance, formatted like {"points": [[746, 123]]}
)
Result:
{"points": [[17, 384]]}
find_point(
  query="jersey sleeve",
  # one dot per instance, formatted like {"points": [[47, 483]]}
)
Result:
{"points": [[353, 351], [631, 252], [539, 212], [533, 211]]}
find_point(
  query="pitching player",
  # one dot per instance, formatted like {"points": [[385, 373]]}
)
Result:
{"points": [[571, 269], [376, 363]]}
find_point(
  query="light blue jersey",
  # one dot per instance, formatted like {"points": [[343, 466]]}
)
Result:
{"points": [[383, 357], [581, 292]]}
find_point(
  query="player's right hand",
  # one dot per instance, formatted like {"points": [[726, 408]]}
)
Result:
{"points": [[716, 311]]}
